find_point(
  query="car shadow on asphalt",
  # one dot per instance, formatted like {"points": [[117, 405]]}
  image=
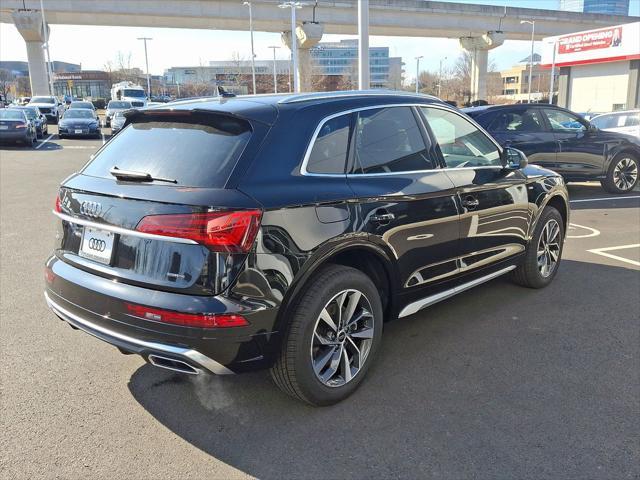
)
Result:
{"points": [[501, 381]]}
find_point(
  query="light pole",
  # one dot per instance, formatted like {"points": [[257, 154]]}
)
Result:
{"points": [[553, 72], [418, 73], [533, 32], [364, 73], [440, 77], [253, 55], [293, 5], [146, 59], [275, 76]]}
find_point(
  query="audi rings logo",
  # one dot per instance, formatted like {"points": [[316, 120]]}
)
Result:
{"points": [[97, 244], [91, 209]]}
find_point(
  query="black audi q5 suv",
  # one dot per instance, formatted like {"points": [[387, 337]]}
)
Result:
{"points": [[218, 236]]}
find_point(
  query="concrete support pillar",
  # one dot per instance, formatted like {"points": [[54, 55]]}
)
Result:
{"points": [[308, 35], [633, 91], [29, 24], [479, 60], [479, 48], [564, 87]]}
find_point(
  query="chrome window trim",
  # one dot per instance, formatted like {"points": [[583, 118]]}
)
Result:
{"points": [[306, 97], [120, 230], [307, 155]]}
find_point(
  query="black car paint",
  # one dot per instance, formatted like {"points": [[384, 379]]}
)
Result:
{"points": [[308, 220], [575, 155]]}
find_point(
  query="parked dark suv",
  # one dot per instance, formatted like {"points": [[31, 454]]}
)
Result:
{"points": [[221, 236], [563, 141]]}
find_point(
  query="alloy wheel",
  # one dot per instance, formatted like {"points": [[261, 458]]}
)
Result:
{"points": [[625, 174], [342, 338], [549, 248]]}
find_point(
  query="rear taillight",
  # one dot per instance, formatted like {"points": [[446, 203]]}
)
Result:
{"points": [[21, 125], [202, 320], [58, 207], [49, 276], [232, 232]]}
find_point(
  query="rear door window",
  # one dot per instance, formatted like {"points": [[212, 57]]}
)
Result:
{"points": [[389, 140], [518, 121], [329, 152], [194, 154]]}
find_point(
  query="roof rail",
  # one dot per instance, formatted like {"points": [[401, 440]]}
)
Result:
{"points": [[304, 97]]}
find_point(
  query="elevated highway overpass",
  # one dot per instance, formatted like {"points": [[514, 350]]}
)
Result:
{"points": [[405, 18]]}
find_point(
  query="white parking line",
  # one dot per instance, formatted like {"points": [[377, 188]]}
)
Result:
{"points": [[604, 253], [102, 134], [621, 197], [594, 232], [44, 141]]}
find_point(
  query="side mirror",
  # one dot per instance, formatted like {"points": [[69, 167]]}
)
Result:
{"points": [[514, 159]]}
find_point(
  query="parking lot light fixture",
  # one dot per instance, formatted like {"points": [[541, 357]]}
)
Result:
{"points": [[533, 32], [418, 73], [146, 59], [253, 55], [275, 75], [294, 41]]}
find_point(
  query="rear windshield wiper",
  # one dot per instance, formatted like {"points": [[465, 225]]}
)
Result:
{"points": [[134, 176]]}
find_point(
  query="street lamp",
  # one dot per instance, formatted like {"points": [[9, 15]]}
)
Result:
{"points": [[275, 77], [146, 59], [418, 73], [253, 55], [293, 5], [533, 31], [440, 76]]}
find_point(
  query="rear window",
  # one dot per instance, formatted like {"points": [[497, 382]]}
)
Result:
{"points": [[11, 115], [200, 154], [42, 100]]}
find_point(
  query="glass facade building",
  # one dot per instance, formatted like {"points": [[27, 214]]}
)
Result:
{"points": [[341, 58], [610, 7]]}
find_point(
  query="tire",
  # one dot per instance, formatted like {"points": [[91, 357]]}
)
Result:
{"points": [[622, 176], [530, 273], [294, 372]]}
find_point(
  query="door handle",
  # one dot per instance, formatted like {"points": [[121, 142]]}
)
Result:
{"points": [[470, 203], [382, 217]]}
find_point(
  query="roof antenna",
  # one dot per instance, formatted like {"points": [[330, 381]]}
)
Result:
{"points": [[501, 18]]}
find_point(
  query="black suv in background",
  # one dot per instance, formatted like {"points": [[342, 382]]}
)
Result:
{"points": [[563, 141], [221, 236]]}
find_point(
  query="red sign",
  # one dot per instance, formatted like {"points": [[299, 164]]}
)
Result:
{"points": [[592, 40]]}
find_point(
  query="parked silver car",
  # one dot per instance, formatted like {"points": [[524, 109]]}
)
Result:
{"points": [[117, 122], [113, 107]]}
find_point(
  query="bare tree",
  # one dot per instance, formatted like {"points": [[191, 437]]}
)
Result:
{"points": [[6, 81], [23, 87]]}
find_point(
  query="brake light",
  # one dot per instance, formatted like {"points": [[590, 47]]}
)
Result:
{"points": [[49, 276], [21, 125], [58, 207], [204, 320], [232, 232]]}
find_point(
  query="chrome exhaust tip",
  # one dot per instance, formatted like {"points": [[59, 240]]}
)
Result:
{"points": [[172, 364]]}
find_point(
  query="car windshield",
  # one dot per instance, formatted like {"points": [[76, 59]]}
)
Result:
{"points": [[81, 105], [133, 93], [115, 105], [42, 100], [79, 113], [200, 154], [11, 115]]}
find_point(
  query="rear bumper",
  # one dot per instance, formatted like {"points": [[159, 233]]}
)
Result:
{"points": [[14, 136], [97, 305], [134, 345]]}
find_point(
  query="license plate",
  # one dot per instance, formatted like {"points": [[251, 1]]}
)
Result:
{"points": [[97, 245], [78, 130], [4, 127]]}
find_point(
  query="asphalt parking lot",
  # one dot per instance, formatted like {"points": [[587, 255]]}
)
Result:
{"points": [[499, 382]]}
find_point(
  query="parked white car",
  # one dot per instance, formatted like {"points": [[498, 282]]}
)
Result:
{"points": [[627, 121]]}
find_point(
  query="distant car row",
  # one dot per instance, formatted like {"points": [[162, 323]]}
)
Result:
{"points": [[563, 141]]}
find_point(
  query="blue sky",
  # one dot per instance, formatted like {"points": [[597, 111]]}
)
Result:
{"points": [[93, 46]]}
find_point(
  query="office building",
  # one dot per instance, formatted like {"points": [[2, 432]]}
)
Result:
{"points": [[610, 7]]}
